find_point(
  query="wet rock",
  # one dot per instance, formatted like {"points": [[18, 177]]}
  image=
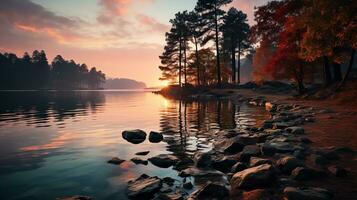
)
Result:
{"points": [[239, 166], [138, 161], [288, 163], [224, 164], [195, 172], [271, 107], [258, 194], [164, 160], [253, 178], [296, 130], [184, 163], [76, 198], [155, 137], [337, 171], [188, 185], [134, 136], [292, 193], [303, 173], [249, 151], [144, 186], [255, 161], [211, 191], [116, 161], [171, 196], [270, 148], [280, 125], [229, 146], [202, 159], [142, 153]]}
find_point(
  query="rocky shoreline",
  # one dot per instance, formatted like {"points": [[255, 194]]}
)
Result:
{"points": [[273, 161]]}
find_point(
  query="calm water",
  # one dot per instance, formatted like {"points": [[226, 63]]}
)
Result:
{"points": [[56, 144]]}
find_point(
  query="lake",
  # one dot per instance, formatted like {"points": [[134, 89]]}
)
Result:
{"points": [[57, 144]]}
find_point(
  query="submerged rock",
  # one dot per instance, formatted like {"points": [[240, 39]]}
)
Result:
{"points": [[164, 160], [211, 191], [292, 193], [134, 136], [155, 137], [144, 186], [254, 177], [116, 161]]}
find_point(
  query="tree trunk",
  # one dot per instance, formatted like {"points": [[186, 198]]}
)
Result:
{"points": [[217, 49], [180, 63], [185, 62], [349, 69], [233, 51], [337, 74], [327, 72], [239, 53], [197, 62]]}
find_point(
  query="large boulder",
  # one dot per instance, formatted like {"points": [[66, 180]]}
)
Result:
{"points": [[253, 178], [202, 160], [164, 160], [155, 137], [144, 186], [229, 146], [211, 191], [136, 136], [288, 163], [292, 193]]}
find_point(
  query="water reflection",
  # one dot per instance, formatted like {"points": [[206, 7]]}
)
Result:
{"points": [[55, 144]]}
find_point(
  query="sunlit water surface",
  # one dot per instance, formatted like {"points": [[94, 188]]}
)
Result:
{"points": [[57, 144]]}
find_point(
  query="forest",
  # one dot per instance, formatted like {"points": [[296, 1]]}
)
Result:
{"points": [[35, 72], [303, 41]]}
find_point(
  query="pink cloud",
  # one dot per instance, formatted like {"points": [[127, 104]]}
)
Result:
{"points": [[152, 24]]}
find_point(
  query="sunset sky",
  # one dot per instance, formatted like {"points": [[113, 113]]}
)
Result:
{"points": [[123, 38]]}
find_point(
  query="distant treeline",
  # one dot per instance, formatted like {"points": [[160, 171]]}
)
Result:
{"points": [[34, 72]]}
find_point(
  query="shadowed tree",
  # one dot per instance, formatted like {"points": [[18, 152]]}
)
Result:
{"points": [[235, 33], [211, 13]]}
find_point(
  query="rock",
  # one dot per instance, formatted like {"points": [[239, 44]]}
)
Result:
{"points": [[76, 198], [239, 166], [164, 160], [249, 151], [319, 159], [138, 161], [202, 160], [143, 186], [224, 165], [211, 191], [292, 193], [193, 171], [267, 124], [229, 146], [142, 153], [296, 130], [258, 194], [255, 161], [134, 136], [116, 161], [170, 196], [188, 185], [169, 181], [288, 163], [254, 177], [270, 148], [280, 125], [337, 171], [155, 137], [303, 173]]}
